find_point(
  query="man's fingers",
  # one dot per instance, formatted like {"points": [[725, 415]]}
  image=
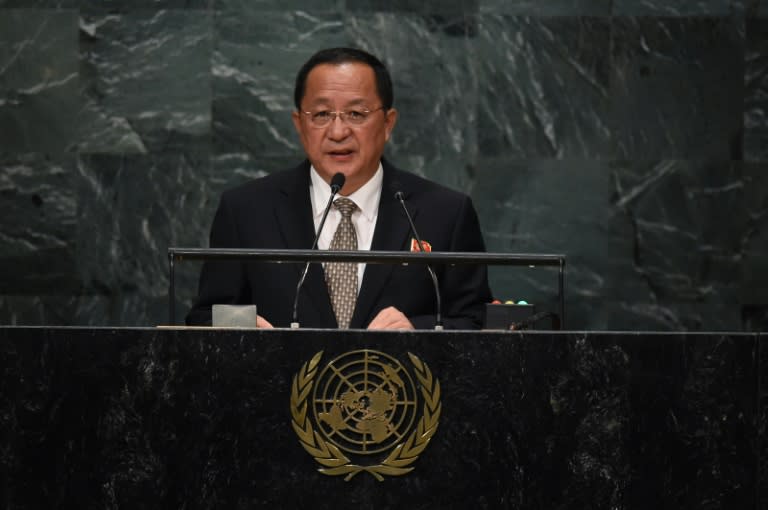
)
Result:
{"points": [[261, 322], [390, 318]]}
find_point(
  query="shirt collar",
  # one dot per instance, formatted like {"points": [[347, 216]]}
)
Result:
{"points": [[367, 197]]}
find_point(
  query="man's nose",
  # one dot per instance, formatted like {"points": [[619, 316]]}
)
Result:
{"points": [[338, 129]]}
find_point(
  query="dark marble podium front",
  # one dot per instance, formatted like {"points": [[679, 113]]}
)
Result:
{"points": [[173, 418]]}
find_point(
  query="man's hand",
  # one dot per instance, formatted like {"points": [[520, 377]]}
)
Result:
{"points": [[261, 322], [390, 318]]}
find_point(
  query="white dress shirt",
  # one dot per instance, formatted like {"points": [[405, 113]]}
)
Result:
{"points": [[364, 218]]}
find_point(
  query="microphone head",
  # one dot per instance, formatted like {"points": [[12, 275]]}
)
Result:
{"points": [[337, 182], [399, 195]]}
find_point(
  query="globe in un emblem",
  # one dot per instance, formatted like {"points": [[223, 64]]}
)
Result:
{"points": [[364, 402]]}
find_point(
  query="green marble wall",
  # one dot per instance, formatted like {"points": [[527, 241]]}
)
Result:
{"points": [[629, 135]]}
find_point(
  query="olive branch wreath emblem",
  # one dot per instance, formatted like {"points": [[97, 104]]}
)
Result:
{"points": [[335, 462]]}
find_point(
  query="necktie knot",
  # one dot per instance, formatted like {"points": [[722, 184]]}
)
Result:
{"points": [[345, 206]]}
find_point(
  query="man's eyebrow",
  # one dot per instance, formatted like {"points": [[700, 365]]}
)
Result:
{"points": [[320, 101]]}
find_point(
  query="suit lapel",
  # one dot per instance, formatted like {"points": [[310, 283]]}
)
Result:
{"points": [[390, 233], [293, 213], [293, 216]]}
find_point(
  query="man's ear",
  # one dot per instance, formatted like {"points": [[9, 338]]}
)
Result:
{"points": [[296, 118], [390, 119]]}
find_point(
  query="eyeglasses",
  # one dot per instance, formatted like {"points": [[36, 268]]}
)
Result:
{"points": [[353, 116]]}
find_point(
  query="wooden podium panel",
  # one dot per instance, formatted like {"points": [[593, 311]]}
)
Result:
{"points": [[202, 418]]}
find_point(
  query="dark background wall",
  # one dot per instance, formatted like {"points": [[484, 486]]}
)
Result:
{"points": [[629, 135]]}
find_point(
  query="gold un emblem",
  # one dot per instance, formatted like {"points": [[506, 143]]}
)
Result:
{"points": [[364, 404]]}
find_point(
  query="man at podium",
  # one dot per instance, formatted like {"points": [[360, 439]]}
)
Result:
{"points": [[344, 117]]}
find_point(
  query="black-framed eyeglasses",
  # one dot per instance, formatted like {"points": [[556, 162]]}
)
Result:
{"points": [[352, 116]]}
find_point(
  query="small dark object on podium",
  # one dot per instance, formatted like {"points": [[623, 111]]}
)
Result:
{"points": [[517, 317]]}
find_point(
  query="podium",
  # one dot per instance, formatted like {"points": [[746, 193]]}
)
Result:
{"points": [[204, 418]]}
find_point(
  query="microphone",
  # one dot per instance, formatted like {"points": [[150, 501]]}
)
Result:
{"points": [[438, 315], [337, 182]]}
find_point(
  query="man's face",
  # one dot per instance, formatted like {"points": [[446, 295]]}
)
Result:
{"points": [[354, 150]]}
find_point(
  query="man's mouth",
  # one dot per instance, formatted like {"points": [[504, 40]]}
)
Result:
{"points": [[340, 154]]}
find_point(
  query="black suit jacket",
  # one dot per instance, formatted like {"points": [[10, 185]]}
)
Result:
{"points": [[276, 212]]}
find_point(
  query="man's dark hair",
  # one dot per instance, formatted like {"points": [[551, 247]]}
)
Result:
{"points": [[344, 56]]}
